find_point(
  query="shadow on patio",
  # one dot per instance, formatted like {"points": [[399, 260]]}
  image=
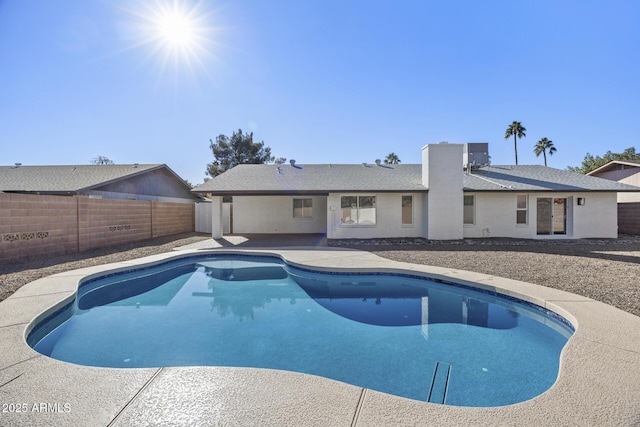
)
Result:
{"points": [[261, 241]]}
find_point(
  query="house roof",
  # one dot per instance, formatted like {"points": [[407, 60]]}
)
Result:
{"points": [[319, 179], [286, 179], [537, 178], [68, 179], [612, 164]]}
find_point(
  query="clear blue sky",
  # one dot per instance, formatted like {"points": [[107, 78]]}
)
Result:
{"points": [[327, 81]]}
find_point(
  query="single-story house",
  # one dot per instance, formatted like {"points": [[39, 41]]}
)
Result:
{"points": [[624, 171], [453, 194], [155, 182]]}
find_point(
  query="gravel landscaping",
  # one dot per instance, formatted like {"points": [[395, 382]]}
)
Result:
{"points": [[605, 270], [14, 275]]}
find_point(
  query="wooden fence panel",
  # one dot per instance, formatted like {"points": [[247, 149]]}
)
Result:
{"points": [[629, 218]]}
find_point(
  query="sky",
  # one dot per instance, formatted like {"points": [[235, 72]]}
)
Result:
{"points": [[326, 81]]}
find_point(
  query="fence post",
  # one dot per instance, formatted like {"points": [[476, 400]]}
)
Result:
{"points": [[216, 217]]}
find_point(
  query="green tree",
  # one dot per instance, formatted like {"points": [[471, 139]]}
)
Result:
{"points": [[518, 131], [591, 162], [101, 160], [542, 147], [391, 159], [236, 150]]}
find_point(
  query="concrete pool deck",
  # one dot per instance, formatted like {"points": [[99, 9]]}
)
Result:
{"points": [[598, 384]]}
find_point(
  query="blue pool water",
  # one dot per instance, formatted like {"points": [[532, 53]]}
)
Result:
{"points": [[398, 334]]}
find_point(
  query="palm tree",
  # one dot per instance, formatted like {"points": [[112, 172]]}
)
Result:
{"points": [[391, 159], [542, 146], [518, 131]]}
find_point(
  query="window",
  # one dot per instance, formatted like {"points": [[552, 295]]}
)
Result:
{"points": [[469, 210], [521, 209], [358, 210], [302, 208], [407, 210]]}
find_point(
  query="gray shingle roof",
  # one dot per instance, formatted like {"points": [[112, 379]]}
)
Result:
{"points": [[314, 179], [66, 179], [285, 179], [537, 178]]}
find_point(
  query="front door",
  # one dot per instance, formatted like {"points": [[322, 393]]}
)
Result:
{"points": [[552, 215]]}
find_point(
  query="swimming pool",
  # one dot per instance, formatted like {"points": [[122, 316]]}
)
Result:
{"points": [[396, 333]]}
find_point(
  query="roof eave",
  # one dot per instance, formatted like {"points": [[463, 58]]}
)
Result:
{"points": [[301, 192], [120, 178], [609, 165], [42, 193], [551, 190]]}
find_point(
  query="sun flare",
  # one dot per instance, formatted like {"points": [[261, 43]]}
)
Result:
{"points": [[177, 32]]}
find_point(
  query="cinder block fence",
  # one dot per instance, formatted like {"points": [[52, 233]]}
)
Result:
{"points": [[46, 225]]}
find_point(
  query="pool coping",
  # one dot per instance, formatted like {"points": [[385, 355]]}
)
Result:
{"points": [[597, 385]]}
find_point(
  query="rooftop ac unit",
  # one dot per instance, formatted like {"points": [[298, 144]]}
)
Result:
{"points": [[475, 154]]}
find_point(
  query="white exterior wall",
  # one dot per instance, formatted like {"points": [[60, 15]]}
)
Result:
{"points": [[495, 216], [628, 197], [274, 214], [388, 218], [597, 218], [442, 175]]}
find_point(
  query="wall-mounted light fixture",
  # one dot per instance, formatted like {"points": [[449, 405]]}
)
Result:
{"points": [[581, 201]]}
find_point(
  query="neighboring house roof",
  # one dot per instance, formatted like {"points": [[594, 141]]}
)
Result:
{"points": [[614, 164], [71, 179], [319, 179]]}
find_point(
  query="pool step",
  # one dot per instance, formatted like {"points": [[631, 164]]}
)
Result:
{"points": [[439, 383]]}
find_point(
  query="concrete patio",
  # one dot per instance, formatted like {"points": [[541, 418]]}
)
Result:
{"points": [[597, 385]]}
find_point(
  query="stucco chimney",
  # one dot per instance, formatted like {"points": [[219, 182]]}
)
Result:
{"points": [[442, 175]]}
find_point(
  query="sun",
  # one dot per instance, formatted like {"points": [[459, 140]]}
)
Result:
{"points": [[176, 29], [177, 33]]}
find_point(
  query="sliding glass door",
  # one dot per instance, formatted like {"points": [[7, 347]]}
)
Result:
{"points": [[552, 215]]}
